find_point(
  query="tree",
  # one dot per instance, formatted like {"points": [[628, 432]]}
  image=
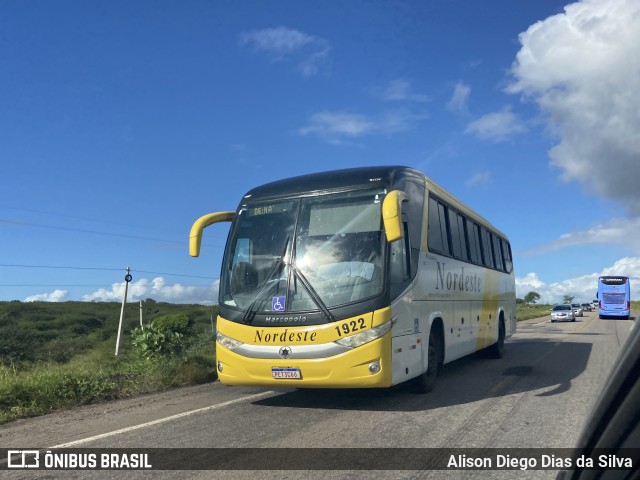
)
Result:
{"points": [[532, 297], [567, 299]]}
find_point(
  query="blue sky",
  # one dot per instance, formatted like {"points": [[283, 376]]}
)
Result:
{"points": [[122, 122]]}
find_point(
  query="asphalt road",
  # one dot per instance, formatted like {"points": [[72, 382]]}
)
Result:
{"points": [[538, 395]]}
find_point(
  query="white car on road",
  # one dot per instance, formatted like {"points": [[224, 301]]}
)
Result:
{"points": [[563, 313], [577, 310]]}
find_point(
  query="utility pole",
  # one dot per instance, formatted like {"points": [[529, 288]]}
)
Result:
{"points": [[141, 326], [127, 279]]}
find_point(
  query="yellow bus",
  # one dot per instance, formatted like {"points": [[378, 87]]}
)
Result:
{"points": [[364, 277]]}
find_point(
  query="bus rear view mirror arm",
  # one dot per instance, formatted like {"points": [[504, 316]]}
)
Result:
{"points": [[392, 214], [195, 237]]}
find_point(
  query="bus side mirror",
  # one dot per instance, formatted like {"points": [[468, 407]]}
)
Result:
{"points": [[392, 214], [195, 237]]}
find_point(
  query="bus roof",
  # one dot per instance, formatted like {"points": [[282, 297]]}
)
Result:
{"points": [[382, 176], [317, 183]]}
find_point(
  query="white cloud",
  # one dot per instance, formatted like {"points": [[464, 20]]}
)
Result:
{"points": [[497, 126], [581, 67], [619, 231], [279, 41], [400, 90], [309, 52], [312, 64], [336, 126], [627, 266], [530, 281], [55, 296], [582, 288], [159, 291], [460, 98], [479, 179]]}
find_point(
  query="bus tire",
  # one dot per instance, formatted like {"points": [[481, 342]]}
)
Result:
{"points": [[427, 380], [497, 349]]}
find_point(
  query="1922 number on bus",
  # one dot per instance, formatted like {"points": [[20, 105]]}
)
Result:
{"points": [[348, 328]]}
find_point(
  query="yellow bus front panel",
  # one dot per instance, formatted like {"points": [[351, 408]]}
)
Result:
{"points": [[306, 356], [347, 370]]}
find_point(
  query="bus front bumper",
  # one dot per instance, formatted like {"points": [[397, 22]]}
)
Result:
{"points": [[352, 369]]}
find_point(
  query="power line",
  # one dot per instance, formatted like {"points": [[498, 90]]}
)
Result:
{"points": [[93, 232], [59, 267], [87, 219], [50, 285], [96, 232], [172, 274], [64, 267], [100, 285]]}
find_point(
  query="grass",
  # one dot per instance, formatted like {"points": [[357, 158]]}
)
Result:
{"points": [[526, 312], [57, 356], [45, 387]]}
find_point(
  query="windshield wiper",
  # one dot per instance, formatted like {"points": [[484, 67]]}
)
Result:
{"points": [[312, 293], [252, 309]]}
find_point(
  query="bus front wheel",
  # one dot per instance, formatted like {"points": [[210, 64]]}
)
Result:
{"points": [[497, 349], [427, 381]]}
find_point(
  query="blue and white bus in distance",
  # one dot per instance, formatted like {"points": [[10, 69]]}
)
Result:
{"points": [[614, 297]]}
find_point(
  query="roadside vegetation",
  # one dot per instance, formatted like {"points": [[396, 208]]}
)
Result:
{"points": [[56, 355], [527, 312], [528, 307]]}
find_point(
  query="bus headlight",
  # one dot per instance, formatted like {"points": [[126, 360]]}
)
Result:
{"points": [[227, 342], [358, 339]]}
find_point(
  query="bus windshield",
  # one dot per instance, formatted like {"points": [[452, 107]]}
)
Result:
{"points": [[305, 254]]}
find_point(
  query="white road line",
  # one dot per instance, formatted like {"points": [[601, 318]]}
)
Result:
{"points": [[160, 420], [541, 323]]}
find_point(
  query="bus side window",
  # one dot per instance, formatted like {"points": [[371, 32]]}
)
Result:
{"points": [[456, 249], [458, 237], [442, 213], [497, 254], [414, 208], [487, 254], [506, 250], [435, 239], [407, 250], [400, 262], [474, 242]]}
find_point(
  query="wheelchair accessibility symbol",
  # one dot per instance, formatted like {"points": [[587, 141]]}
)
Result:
{"points": [[277, 304]]}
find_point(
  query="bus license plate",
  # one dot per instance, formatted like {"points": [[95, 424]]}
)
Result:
{"points": [[286, 373]]}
